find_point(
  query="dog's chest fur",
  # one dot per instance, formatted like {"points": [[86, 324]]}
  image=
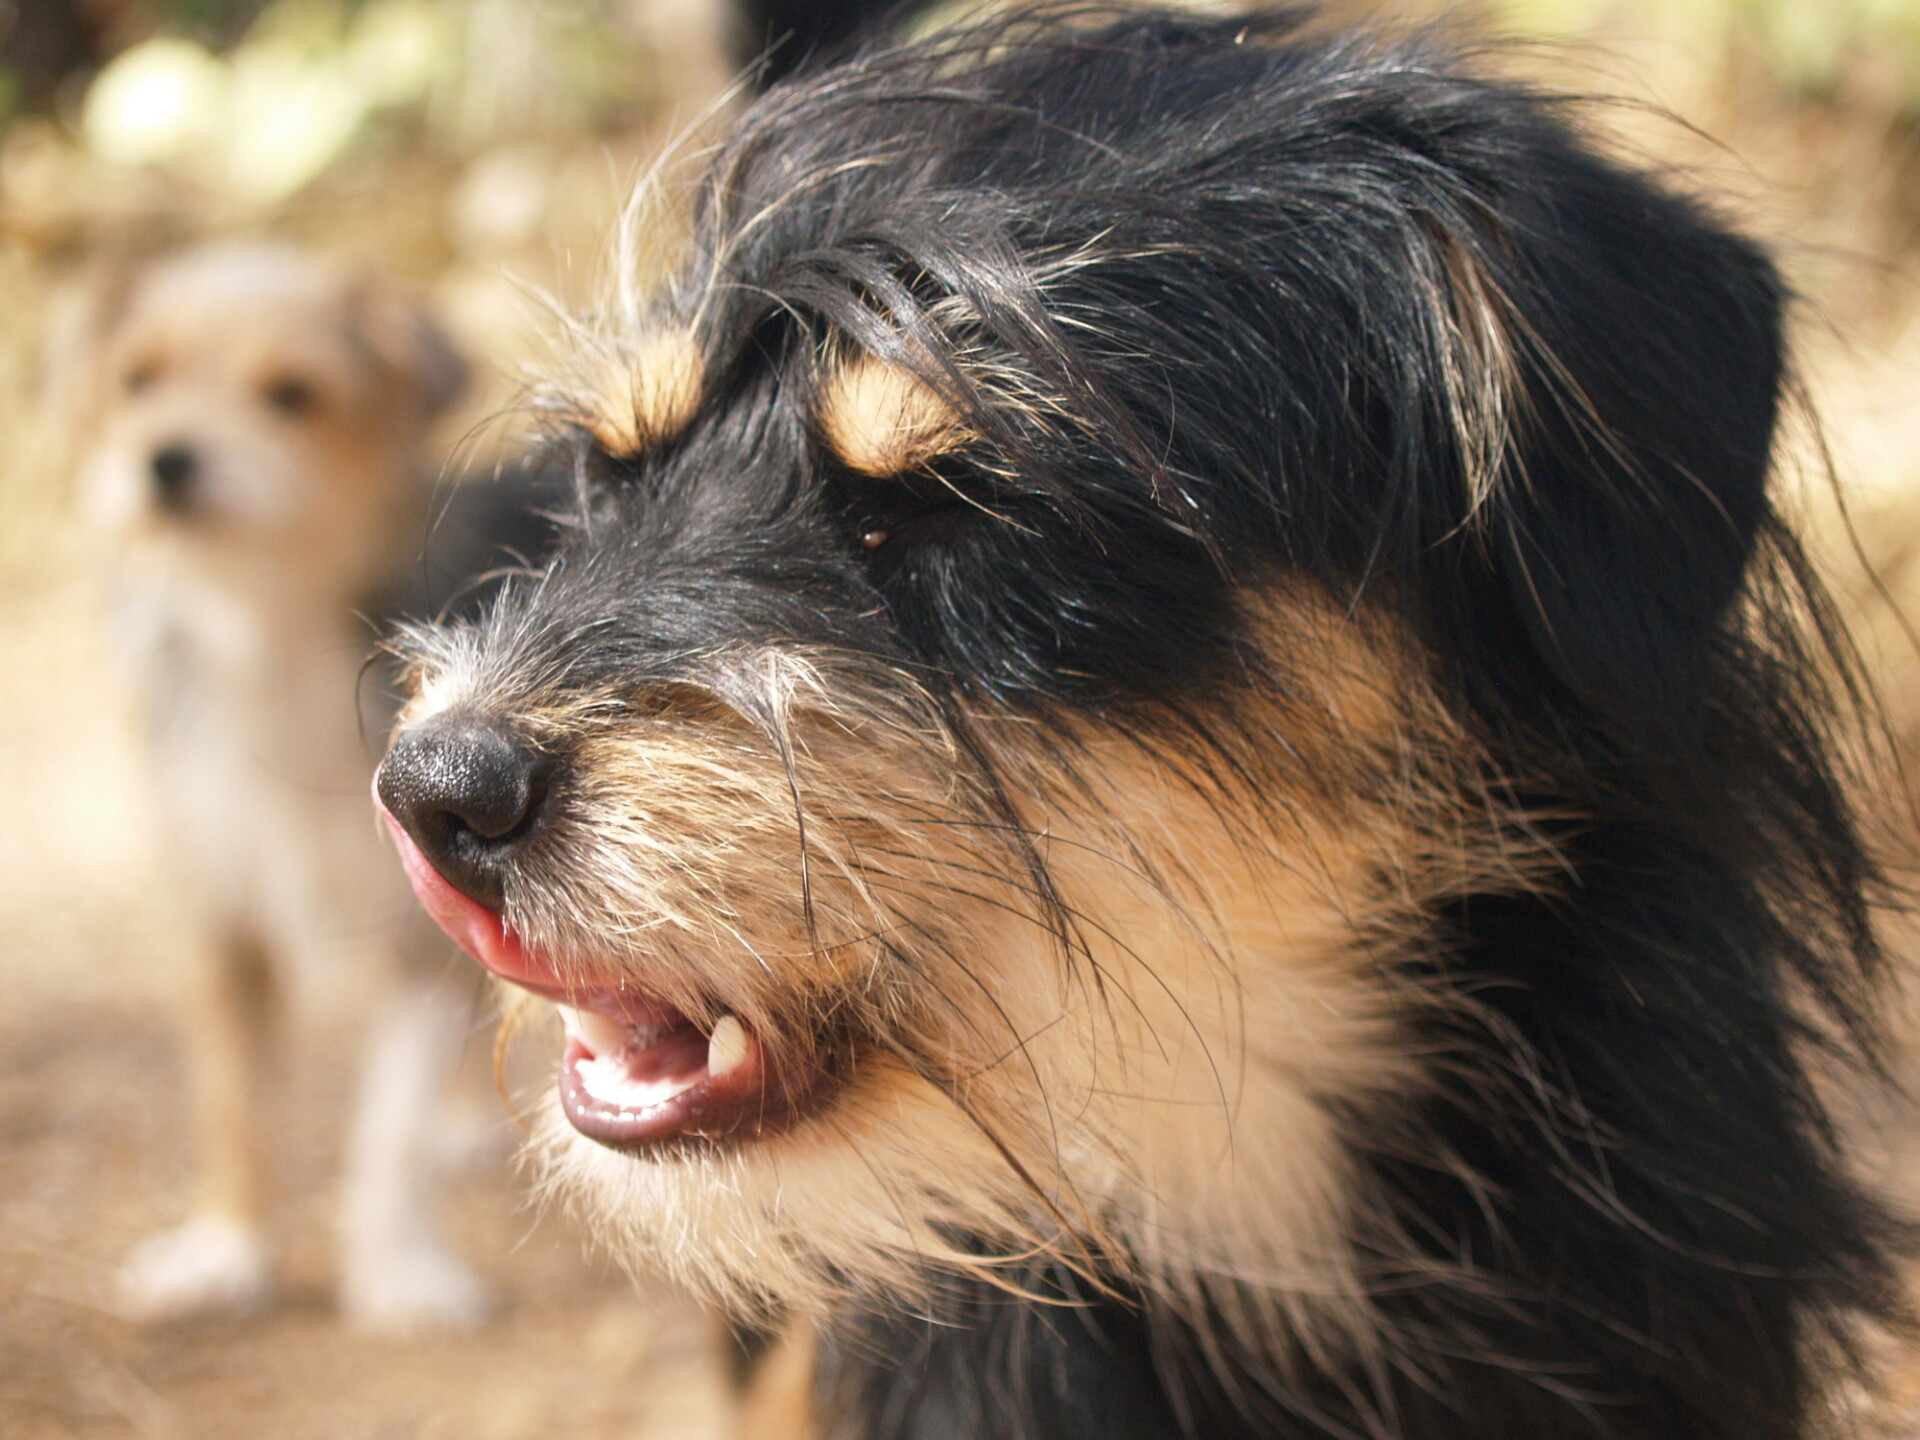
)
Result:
{"points": [[259, 750]]}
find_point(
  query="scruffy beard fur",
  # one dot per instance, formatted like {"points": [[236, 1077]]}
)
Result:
{"points": [[1277, 790], [1066, 1006]]}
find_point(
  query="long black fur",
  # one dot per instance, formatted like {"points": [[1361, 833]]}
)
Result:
{"points": [[1234, 258]]}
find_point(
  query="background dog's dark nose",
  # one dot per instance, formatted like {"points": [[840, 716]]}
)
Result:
{"points": [[174, 469], [467, 792]]}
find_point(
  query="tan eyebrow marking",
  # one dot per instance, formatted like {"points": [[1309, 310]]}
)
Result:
{"points": [[881, 420], [644, 394]]}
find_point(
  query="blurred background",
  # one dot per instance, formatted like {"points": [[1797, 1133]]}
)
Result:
{"points": [[479, 149]]}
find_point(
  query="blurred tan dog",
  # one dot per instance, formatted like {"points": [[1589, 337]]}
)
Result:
{"points": [[253, 423]]}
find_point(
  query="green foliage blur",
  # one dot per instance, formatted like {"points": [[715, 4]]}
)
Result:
{"points": [[181, 83], [146, 81]]}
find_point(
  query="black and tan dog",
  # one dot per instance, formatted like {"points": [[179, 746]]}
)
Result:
{"points": [[1177, 779]]}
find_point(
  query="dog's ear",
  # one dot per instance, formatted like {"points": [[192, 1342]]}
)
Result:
{"points": [[81, 318], [402, 333], [1624, 363]]}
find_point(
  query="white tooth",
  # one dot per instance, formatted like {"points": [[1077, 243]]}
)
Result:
{"points": [[601, 1034], [726, 1047]]}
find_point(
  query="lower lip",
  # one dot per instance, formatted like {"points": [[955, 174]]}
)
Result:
{"points": [[728, 1107]]}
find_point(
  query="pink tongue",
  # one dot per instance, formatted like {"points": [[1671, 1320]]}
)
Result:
{"points": [[678, 1055], [476, 929]]}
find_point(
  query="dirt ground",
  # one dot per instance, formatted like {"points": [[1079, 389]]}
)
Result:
{"points": [[93, 1156]]}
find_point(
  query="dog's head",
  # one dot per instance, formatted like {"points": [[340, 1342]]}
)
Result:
{"points": [[1117, 556], [251, 397]]}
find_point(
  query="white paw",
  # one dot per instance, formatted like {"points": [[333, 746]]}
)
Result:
{"points": [[406, 1290], [471, 1139], [210, 1266]]}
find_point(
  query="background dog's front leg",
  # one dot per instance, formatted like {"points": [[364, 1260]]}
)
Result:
{"points": [[396, 1274], [219, 1261], [777, 1399]]}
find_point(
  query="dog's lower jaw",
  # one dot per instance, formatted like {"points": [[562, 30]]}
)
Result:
{"points": [[896, 1186]]}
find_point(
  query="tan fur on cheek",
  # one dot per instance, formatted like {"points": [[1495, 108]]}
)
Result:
{"points": [[643, 395], [1153, 1099], [880, 420], [1127, 1040], [718, 872]]}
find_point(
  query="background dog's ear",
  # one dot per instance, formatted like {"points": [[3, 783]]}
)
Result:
{"points": [[80, 319], [1638, 349], [402, 332]]}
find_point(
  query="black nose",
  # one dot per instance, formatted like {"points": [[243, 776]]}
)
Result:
{"points": [[174, 469], [468, 793]]}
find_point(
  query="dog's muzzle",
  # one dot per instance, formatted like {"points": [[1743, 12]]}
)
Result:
{"points": [[462, 797], [468, 793]]}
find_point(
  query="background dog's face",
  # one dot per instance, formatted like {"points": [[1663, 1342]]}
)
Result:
{"points": [[1062, 599], [253, 397]]}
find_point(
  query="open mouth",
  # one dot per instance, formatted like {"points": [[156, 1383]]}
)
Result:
{"points": [[636, 1073]]}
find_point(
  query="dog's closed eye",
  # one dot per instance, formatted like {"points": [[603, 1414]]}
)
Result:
{"points": [[888, 515]]}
